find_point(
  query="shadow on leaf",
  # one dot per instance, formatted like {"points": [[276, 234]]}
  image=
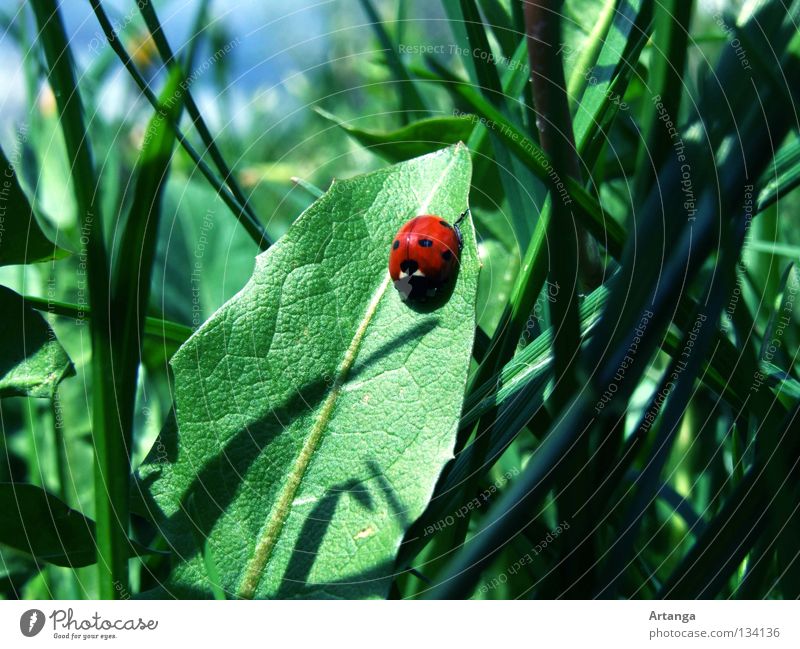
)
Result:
{"points": [[227, 470]]}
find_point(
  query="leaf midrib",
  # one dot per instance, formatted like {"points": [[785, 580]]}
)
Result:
{"points": [[280, 512]]}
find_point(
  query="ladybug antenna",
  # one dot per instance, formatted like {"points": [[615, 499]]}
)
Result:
{"points": [[462, 217]]}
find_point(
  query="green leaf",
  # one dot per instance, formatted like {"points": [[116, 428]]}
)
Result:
{"points": [[32, 361], [609, 78], [21, 239], [315, 410], [40, 524], [782, 176], [418, 138], [498, 20], [581, 66], [16, 569], [36, 522]]}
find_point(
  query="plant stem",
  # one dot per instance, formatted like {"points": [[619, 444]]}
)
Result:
{"points": [[569, 244], [543, 27], [664, 83], [62, 460], [166, 330], [112, 461]]}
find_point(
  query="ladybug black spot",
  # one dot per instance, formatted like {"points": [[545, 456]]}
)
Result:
{"points": [[426, 243], [447, 255], [409, 266], [396, 244], [446, 224]]}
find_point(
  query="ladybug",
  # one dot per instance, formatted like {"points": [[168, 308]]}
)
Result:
{"points": [[424, 256]]}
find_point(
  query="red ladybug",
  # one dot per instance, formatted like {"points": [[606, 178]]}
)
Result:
{"points": [[424, 256]]}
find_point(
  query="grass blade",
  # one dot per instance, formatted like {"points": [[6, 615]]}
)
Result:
{"points": [[132, 266], [500, 23], [487, 80], [240, 210], [164, 49], [111, 451], [166, 330], [664, 87], [744, 517], [558, 143], [784, 178], [591, 51], [411, 101], [683, 373]]}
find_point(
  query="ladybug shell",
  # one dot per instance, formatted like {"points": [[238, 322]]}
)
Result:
{"points": [[424, 256]]}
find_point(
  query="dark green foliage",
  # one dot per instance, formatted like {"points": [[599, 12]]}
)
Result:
{"points": [[32, 362], [22, 241]]}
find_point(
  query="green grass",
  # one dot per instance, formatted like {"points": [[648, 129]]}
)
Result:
{"points": [[110, 439]]}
